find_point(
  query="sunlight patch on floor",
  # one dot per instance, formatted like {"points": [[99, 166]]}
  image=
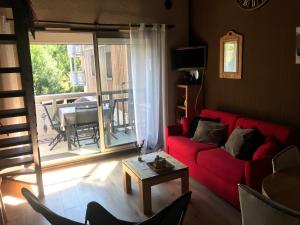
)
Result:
{"points": [[11, 200], [50, 189], [103, 170]]}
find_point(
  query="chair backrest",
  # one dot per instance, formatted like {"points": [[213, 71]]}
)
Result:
{"points": [[172, 214], [112, 106], [52, 217], [108, 114], [49, 117], [86, 114], [288, 157], [257, 209]]}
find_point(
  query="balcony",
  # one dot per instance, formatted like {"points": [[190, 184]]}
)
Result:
{"points": [[121, 125]]}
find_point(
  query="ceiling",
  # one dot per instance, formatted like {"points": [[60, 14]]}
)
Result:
{"points": [[101, 11]]}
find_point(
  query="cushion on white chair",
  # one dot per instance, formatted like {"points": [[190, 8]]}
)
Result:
{"points": [[259, 210], [288, 157]]}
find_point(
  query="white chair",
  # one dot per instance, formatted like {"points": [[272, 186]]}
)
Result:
{"points": [[288, 157], [257, 209]]}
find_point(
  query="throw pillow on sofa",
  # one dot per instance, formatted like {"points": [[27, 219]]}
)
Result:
{"points": [[269, 148], [236, 140], [210, 132], [194, 124], [252, 141]]}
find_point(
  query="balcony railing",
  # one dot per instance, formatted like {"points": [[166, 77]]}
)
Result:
{"points": [[123, 114]]}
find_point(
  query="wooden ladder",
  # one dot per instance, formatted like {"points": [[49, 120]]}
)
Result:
{"points": [[19, 151]]}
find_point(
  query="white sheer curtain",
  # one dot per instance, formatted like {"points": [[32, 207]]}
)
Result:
{"points": [[148, 83]]}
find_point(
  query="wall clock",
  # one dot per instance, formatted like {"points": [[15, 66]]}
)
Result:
{"points": [[251, 4]]}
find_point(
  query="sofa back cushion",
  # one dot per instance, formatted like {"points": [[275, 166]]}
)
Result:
{"points": [[283, 134], [269, 148], [225, 118], [210, 132]]}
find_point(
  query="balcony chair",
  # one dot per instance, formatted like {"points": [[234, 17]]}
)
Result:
{"points": [[86, 123], [108, 118], [55, 125], [97, 215], [258, 209], [288, 157]]}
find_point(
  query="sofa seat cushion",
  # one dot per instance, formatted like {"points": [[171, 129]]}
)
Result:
{"points": [[221, 164], [186, 148]]}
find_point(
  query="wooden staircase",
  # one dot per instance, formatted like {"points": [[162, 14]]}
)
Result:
{"points": [[18, 141]]}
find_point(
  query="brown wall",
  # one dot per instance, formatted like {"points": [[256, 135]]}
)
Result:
{"points": [[270, 87]]}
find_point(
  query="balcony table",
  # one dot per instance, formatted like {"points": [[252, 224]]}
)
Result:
{"points": [[67, 117], [284, 187]]}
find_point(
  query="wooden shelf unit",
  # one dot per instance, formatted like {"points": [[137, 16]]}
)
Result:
{"points": [[186, 99]]}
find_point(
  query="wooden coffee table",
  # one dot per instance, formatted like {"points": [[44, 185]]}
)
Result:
{"points": [[146, 177]]}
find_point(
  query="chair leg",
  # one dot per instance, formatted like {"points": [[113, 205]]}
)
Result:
{"points": [[57, 141], [77, 138], [54, 139], [114, 136]]}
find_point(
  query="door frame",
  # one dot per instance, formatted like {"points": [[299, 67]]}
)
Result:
{"points": [[103, 147]]}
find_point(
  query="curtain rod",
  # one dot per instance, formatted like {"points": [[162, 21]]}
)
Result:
{"points": [[85, 27], [97, 24]]}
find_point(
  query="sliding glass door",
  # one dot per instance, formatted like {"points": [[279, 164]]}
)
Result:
{"points": [[116, 109]]}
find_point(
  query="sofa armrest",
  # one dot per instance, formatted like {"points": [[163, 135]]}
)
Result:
{"points": [[256, 171], [173, 130]]}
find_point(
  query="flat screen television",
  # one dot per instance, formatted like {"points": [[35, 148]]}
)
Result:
{"points": [[189, 58]]}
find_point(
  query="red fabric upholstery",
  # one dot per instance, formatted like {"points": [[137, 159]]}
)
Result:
{"points": [[225, 117], [270, 148], [185, 149], [217, 169], [256, 171], [185, 123], [220, 186], [220, 163], [171, 131], [282, 133]]}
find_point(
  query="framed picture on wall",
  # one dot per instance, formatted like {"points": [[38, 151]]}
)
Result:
{"points": [[297, 45]]}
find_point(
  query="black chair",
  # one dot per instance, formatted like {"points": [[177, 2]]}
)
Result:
{"points": [[86, 123], [55, 125], [108, 118], [51, 216], [98, 215], [171, 215]]}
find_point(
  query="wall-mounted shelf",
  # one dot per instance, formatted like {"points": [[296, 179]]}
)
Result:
{"points": [[186, 100]]}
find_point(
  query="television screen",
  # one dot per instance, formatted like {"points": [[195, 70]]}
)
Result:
{"points": [[189, 58]]}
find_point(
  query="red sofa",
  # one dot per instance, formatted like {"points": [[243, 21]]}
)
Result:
{"points": [[216, 168]]}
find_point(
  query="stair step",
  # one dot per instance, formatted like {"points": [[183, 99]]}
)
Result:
{"points": [[11, 162], [14, 152], [14, 128], [13, 113], [9, 142], [11, 94], [5, 4], [8, 39], [10, 70]]}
